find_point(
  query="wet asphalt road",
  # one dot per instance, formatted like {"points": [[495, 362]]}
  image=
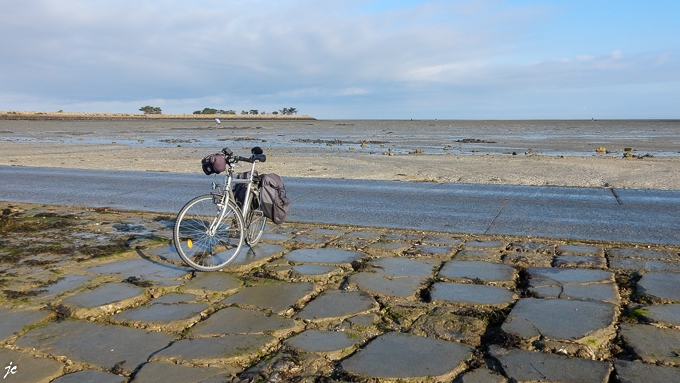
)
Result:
{"points": [[621, 215]]}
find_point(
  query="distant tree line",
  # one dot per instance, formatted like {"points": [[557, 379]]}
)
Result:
{"points": [[285, 111], [288, 111], [214, 111], [150, 110]]}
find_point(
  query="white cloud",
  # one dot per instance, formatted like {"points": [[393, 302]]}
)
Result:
{"points": [[260, 54], [354, 90], [584, 58]]}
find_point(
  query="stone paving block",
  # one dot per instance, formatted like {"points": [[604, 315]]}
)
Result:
{"points": [[530, 366], [316, 270], [327, 232], [404, 287], [402, 267], [174, 298], [587, 261], [535, 247], [663, 266], [309, 241], [642, 265], [336, 304], [466, 294], [13, 321], [652, 344], [277, 297], [172, 285], [660, 286], [143, 269], [403, 237], [481, 375], [220, 282], [666, 315], [628, 264], [254, 257], [163, 317], [429, 251], [331, 344], [364, 320], [355, 240], [240, 349], [166, 253], [562, 320], [19, 367], [318, 274], [498, 273], [573, 283], [66, 282], [434, 239], [284, 229], [580, 250], [404, 356], [87, 376], [478, 255], [177, 373], [96, 344], [325, 256], [233, 320], [104, 300], [475, 245], [634, 252], [275, 238], [526, 260], [554, 276], [445, 324], [381, 249], [636, 372], [607, 292]]}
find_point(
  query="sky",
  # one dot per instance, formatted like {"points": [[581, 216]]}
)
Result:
{"points": [[349, 59]]}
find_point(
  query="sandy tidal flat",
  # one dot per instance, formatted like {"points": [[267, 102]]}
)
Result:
{"points": [[617, 172], [556, 153]]}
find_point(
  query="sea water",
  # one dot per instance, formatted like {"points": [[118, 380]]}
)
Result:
{"points": [[364, 137]]}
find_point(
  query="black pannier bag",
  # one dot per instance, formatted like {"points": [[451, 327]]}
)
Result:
{"points": [[241, 189], [275, 204], [214, 163]]}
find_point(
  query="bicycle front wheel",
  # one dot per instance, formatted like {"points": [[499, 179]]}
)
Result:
{"points": [[202, 240]]}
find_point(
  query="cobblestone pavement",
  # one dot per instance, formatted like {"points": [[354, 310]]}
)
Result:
{"points": [[100, 295]]}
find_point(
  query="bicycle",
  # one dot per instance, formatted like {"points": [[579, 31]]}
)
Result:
{"points": [[210, 230]]}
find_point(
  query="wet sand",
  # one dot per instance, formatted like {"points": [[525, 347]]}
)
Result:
{"points": [[545, 153]]}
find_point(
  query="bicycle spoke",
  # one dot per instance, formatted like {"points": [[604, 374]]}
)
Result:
{"points": [[199, 246]]}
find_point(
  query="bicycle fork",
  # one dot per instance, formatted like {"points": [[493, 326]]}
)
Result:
{"points": [[212, 230]]}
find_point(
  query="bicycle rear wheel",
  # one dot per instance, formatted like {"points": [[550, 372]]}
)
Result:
{"points": [[201, 241], [255, 222]]}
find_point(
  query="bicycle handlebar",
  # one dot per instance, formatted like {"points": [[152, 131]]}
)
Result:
{"points": [[251, 159], [256, 151]]}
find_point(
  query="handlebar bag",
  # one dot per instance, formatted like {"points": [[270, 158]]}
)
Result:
{"points": [[214, 164]]}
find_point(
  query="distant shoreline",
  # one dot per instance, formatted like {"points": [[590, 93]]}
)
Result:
{"points": [[129, 116]]}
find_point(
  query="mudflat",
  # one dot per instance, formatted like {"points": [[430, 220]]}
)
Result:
{"points": [[622, 154]]}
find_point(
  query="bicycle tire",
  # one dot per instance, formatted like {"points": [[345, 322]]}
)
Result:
{"points": [[255, 227], [194, 243], [255, 221]]}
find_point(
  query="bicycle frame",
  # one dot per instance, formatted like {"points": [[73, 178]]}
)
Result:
{"points": [[226, 194]]}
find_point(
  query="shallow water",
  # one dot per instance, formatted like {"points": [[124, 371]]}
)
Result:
{"points": [[559, 137]]}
